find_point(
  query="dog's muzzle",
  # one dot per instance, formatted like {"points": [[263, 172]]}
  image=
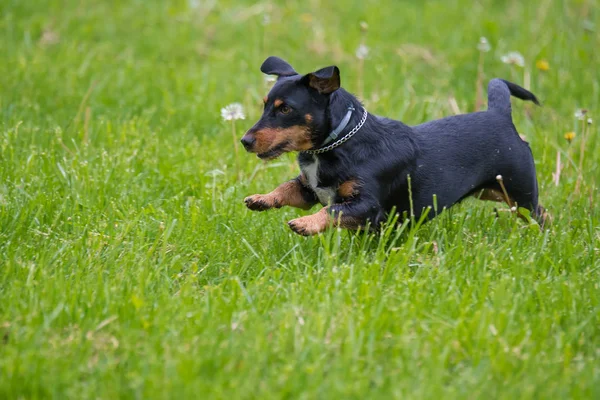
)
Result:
{"points": [[248, 141]]}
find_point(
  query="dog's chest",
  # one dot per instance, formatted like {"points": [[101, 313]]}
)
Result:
{"points": [[311, 172]]}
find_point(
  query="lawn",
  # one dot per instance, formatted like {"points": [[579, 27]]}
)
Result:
{"points": [[130, 267]]}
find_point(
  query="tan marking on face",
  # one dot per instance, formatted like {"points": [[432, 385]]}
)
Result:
{"points": [[277, 102], [297, 138], [265, 99], [308, 118], [348, 189]]}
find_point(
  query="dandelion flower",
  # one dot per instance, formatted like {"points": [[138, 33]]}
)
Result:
{"points": [[232, 112], [589, 121], [570, 136], [580, 114], [483, 45], [49, 37], [542, 65], [513, 58], [270, 79], [362, 52], [306, 18]]}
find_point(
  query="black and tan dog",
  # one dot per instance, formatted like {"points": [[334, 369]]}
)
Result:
{"points": [[358, 165]]}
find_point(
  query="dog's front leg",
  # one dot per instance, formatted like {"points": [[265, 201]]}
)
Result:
{"points": [[347, 215], [292, 193]]}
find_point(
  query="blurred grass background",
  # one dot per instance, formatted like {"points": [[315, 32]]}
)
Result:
{"points": [[131, 268]]}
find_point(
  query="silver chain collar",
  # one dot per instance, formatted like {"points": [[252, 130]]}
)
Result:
{"points": [[343, 139]]}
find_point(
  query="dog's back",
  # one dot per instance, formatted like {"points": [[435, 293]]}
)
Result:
{"points": [[464, 153]]}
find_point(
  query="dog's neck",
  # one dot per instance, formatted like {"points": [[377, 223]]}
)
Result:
{"points": [[359, 120], [343, 120], [344, 114], [339, 103]]}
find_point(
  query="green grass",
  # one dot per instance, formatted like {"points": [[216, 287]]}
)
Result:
{"points": [[129, 266]]}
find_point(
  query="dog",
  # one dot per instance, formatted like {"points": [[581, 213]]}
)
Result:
{"points": [[361, 166]]}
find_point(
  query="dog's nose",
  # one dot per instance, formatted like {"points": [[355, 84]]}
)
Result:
{"points": [[248, 142]]}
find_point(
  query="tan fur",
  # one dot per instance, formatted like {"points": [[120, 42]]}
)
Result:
{"points": [[287, 194], [323, 86], [297, 137], [265, 99], [498, 195], [321, 221], [491, 195], [277, 102], [312, 224], [308, 118], [348, 189]]}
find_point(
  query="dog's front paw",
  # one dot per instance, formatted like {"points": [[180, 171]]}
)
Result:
{"points": [[299, 227], [309, 225], [260, 202]]}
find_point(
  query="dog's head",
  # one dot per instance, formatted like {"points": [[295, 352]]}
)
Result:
{"points": [[295, 110]]}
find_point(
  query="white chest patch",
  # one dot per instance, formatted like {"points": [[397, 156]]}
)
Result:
{"points": [[311, 171]]}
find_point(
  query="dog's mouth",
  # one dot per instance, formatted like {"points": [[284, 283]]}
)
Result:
{"points": [[274, 152]]}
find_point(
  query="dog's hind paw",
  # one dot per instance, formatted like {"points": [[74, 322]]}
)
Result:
{"points": [[260, 202], [544, 218]]}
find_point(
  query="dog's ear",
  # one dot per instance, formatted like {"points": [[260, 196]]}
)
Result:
{"points": [[276, 66], [325, 80]]}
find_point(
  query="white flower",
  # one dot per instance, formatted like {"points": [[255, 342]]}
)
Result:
{"points": [[513, 57], [232, 112], [483, 45], [589, 121], [362, 52], [580, 114], [49, 37], [270, 79]]}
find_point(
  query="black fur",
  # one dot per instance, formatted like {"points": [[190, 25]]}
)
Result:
{"points": [[276, 66], [450, 158]]}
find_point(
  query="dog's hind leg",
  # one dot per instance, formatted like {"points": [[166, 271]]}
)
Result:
{"points": [[516, 193], [522, 190]]}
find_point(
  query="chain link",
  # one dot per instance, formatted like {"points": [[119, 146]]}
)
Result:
{"points": [[342, 140]]}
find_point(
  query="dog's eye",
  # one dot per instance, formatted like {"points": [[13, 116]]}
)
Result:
{"points": [[285, 109]]}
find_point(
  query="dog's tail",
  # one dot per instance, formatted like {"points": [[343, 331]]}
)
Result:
{"points": [[499, 92]]}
